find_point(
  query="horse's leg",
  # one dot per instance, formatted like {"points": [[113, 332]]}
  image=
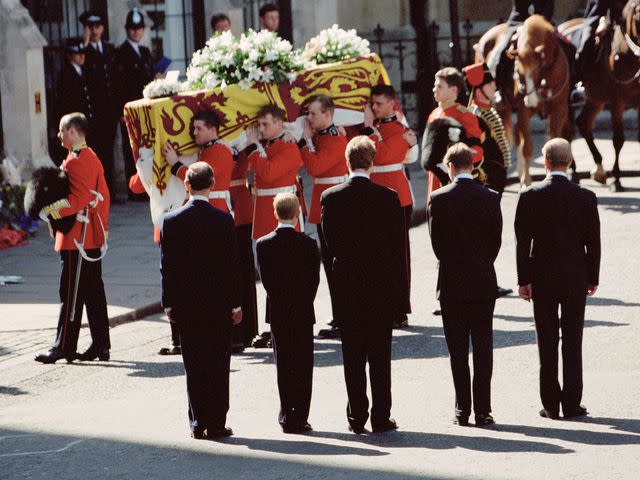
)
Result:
{"points": [[585, 126], [518, 142], [526, 142], [617, 111]]}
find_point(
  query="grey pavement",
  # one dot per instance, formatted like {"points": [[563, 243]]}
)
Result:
{"points": [[127, 418]]}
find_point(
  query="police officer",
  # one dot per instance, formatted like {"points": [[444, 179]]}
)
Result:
{"points": [[73, 90], [134, 70], [99, 66]]}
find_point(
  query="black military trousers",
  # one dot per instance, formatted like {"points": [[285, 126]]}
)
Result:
{"points": [[206, 353], [366, 342], [293, 352], [548, 327], [461, 321], [90, 295], [248, 328], [327, 263]]}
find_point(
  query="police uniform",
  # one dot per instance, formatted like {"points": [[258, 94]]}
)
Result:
{"points": [[472, 130], [243, 217], [388, 171], [89, 198], [323, 158], [99, 66], [275, 165], [134, 67], [219, 156], [73, 88], [495, 146]]}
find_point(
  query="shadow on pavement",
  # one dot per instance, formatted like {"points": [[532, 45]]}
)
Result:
{"points": [[302, 447], [12, 391], [587, 437], [621, 204], [587, 323], [140, 369], [623, 424]]}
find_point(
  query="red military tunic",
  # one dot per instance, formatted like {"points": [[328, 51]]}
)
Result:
{"points": [[240, 193], [275, 166], [220, 157], [85, 174], [323, 157], [471, 128], [391, 149]]}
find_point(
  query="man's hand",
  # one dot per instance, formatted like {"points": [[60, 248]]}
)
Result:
{"points": [[525, 292], [170, 154], [307, 132], [253, 135], [591, 290], [410, 137], [288, 137], [369, 117], [236, 317]]}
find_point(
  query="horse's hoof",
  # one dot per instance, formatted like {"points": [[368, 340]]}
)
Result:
{"points": [[616, 186], [599, 174]]}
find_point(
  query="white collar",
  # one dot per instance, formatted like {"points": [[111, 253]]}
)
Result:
{"points": [[358, 174], [200, 197], [468, 176], [134, 45], [77, 68], [97, 45], [285, 225], [558, 174]]}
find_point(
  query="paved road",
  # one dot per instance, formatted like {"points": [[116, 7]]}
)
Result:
{"points": [[127, 418]]}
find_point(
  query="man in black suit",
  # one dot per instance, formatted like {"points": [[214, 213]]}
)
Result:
{"points": [[558, 254], [99, 66], [466, 226], [364, 235], [134, 70], [201, 294], [290, 270], [73, 91]]}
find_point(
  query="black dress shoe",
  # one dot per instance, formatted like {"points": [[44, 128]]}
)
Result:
{"points": [[90, 354], [333, 332], [53, 355], [261, 341], [357, 429], [579, 411], [385, 427], [175, 350], [483, 419], [549, 414], [237, 348], [218, 433], [503, 292], [461, 420], [437, 312], [297, 428], [401, 322], [198, 435]]}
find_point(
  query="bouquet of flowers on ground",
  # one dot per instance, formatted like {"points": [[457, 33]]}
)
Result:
{"points": [[162, 88], [15, 224], [335, 45], [255, 57]]}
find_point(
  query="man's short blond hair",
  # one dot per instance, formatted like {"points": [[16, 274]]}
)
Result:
{"points": [[558, 152], [286, 206], [360, 152]]}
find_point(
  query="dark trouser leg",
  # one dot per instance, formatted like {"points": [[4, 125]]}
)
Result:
{"points": [[482, 341], [379, 356], [545, 312], [69, 328], [455, 320], [248, 328], [572, 324], [95, 301], [328, 270], [175, 335], [127, 155], [354, 356]]}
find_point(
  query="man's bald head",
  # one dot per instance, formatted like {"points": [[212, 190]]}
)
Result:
{"points": [[199, 176], [557, 154]]}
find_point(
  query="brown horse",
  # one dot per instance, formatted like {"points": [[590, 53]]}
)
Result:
{"points": [[613, 80], [541, 84]]}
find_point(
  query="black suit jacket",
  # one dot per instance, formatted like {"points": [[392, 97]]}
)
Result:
{"points": [[73, 92], [290, 270], [101, 69], [465, 223], [558, 238], [364, 234], [133, 73], [199, 264]]}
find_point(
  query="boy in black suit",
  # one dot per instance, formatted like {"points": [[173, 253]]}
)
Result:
{"points": [[290, 270], [558, 252], [465, 224]]}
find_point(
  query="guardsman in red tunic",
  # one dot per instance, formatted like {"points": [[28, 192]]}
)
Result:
{"points": [[242, 200], [393, 140], [322, 147], [81, 278], [214, 151], [275, 164], [448, 85]]}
